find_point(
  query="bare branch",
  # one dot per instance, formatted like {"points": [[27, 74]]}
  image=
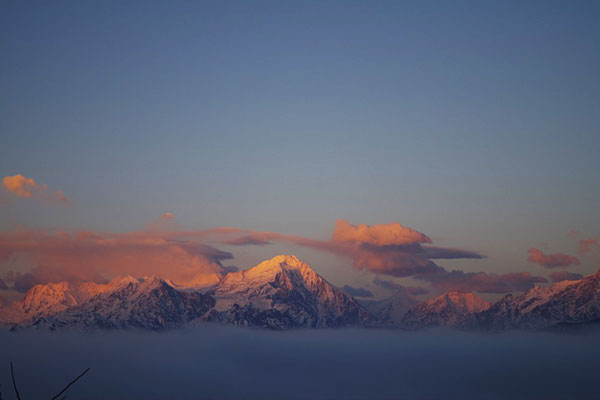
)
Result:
{"points": [[69, 385], [12, 372]]}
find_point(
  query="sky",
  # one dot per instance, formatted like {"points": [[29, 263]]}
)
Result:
{"points": [[474, 123]]}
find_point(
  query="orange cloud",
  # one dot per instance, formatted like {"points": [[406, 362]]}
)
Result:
{"points": [[22, 186], [390, 249], [551, 260], [378, 235], [97, 256], [166, 216]]}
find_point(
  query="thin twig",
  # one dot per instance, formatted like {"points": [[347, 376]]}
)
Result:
{"points": [[12, 372], [69, 385]]}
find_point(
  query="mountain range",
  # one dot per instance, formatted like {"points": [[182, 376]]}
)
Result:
{"points": [[286, 293]]}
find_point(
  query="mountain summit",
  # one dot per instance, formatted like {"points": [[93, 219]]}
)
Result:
{"points": [[284, 292]]}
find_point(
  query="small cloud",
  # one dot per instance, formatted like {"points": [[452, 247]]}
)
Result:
{"points": [[357, 292], [387, 284], [559, 276], [22, 186], [166, 216], [573, 233], [586, 245], [378, 235], [416, 290], [551, 260], [254, 239]]}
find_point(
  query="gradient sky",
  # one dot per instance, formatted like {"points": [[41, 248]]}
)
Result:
{"points": [[477, 123]]}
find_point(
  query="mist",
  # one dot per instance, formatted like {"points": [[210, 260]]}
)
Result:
{"points": [[216, 362]]}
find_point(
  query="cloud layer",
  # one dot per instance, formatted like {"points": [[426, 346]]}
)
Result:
{"points": [[95, 256], [551, 260]]}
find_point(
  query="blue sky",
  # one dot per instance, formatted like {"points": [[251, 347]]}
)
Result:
{"points": [[476, 123]]}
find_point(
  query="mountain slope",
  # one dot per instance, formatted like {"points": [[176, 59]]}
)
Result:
{"points": [[282, 293], [146, 303], [567, 302], [392, 309], [449, 309]]}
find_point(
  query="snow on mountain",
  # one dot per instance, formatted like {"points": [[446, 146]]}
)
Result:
{"points": [[566, 302], [393, 308], [281, 293], [449, 309], [146, 303], [50, 299]]}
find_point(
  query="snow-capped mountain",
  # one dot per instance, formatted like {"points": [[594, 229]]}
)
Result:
{"points": [[284, 292], [392, 310], [449, 309], [50, 299], [146, 303], [566, 302]]}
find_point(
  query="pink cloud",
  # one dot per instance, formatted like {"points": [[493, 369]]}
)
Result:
{"points": [[551, 260], [22, 186], [97, 257], [166, 216]]}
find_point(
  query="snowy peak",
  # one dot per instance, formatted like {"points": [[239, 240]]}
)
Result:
{"points": [[284, 292], [566, 302], [392, 309], [449, 309]]}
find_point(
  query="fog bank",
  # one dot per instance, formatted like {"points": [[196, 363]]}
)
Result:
{"points": [[214, 362]]}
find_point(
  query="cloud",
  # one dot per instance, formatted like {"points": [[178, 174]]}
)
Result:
{"points": [[255, 239], [416, 290], [573, 233], [357, 292], [394, 250], [586, 245], [387, 284], [166, 216], [378, 235], [3, 285], [390, 249], [559, 276], [97, 256], [551, 260], [481, 281], [22, 186]]}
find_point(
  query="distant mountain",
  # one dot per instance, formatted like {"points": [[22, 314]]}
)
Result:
{"points": [[564, 303], [285, 293], [282, 293], [392, 310], [146, 303], [450, 309]]}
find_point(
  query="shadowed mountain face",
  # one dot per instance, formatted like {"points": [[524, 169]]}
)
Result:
{"points": [[285, 293], [392, 310]]}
